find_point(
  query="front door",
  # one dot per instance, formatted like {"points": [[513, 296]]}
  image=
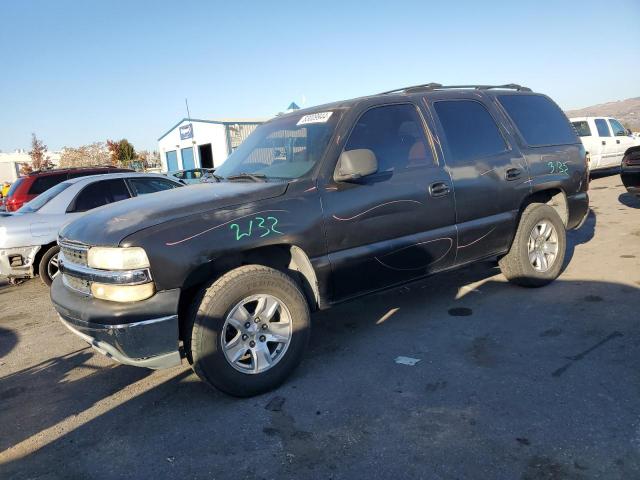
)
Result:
{"points": [[397, 224], [621, 141]]}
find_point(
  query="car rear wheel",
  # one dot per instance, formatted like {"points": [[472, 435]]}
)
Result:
{"points": [[537, 253], [250, 331], [48, 267]]}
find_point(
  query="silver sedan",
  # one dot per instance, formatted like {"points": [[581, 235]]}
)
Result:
{"points": [[28, 237]]}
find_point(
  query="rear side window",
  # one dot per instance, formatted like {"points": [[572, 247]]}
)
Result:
{"points": [[540, 121], [140, 186], [603, 128], [469, 129], [44, 183], [100, 193], [582, 128]]}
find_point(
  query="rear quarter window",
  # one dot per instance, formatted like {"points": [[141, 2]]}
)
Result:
{"points": [[44, 183], [539, 120], [15, 187]]}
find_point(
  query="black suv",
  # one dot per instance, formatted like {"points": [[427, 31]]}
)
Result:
{"points": [[320, 206]]}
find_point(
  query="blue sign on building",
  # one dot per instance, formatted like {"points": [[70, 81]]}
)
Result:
{"points": [[186, 131]]}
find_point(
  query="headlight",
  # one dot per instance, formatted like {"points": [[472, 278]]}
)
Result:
{"points": [[108, 258], [122, 293]]}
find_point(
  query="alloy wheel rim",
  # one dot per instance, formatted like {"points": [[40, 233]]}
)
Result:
{"points": [[53, 267], [543, 246], [256, 333]]}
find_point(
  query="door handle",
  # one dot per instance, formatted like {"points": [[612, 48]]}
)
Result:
{"points": [[439, 189], [513, 174], [617, 141], [603, 142]]}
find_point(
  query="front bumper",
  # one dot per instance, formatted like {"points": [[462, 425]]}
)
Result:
{"points": [[9, 261], [143, 334]]}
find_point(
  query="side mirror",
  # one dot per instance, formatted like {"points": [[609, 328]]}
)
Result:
{"points": [[629, 132], [354, 164]]}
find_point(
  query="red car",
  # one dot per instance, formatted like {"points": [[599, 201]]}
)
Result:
{"points": [[30, 186]]}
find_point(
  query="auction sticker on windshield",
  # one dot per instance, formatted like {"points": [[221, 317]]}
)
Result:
{"points": [[320, 117]]}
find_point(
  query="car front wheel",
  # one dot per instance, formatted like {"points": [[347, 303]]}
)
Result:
{"points": [[48, 268], [250, 331]]}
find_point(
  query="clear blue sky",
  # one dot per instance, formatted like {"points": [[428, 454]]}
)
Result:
{"points": [[76, 72]]}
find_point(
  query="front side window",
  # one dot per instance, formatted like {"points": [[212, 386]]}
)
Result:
{"points": [[603, 128], [470, 130], [44, 183], [284, 148], [394, 133], [539, 120], [582, 128], [617, 128], [100, 193], [141, 186]]}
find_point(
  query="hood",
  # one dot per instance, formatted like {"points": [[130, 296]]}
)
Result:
{"points": [[110, 224]]}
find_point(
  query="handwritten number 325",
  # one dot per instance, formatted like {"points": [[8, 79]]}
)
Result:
{"points": [[263, 227]]}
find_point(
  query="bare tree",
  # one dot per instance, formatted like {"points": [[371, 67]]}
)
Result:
{"points": [[94, 154]]}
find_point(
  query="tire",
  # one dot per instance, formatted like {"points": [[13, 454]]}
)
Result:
{"points": [[46, 265], [213, 328], [517, 266]]}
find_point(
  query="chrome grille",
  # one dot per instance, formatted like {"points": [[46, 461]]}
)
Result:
{"points": [[74, 253], [78, 284]]}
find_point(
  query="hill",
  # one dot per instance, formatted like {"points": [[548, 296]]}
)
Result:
{"points": [[627, 111]]}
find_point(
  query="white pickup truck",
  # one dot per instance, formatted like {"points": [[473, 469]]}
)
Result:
{"points": [[605, 140]]}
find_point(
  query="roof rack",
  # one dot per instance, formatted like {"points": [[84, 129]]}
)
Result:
{"points": [[64, 169], [437, 86]]}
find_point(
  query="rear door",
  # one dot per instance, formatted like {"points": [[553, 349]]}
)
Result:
{"points": [[397, 224], [490, 176]]}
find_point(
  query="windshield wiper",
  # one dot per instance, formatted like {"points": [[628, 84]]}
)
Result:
{"points": [[255, 177]]}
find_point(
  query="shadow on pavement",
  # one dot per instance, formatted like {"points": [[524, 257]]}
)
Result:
{"points": [[8, 340], [580, 236], [40, 396], [629, 200], [506, 380]]}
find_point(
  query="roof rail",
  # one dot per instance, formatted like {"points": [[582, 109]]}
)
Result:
{"points": [[437, 86]]}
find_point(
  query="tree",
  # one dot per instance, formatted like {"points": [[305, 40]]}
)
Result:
{"points": [[122, 152], [94, 154], [39, 158]]}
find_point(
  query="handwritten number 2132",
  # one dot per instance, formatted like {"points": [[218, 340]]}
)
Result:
{"points": [[263, 227]]}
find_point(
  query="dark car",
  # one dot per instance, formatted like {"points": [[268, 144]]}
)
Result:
{"points": [[317, 207], [30, 186], [630, 171]]}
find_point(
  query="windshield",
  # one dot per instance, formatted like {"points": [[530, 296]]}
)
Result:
{"points": [[285, 148], [41, 200]]}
